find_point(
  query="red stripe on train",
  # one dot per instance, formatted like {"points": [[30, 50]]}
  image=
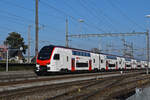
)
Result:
{"points": [[90, 65]]}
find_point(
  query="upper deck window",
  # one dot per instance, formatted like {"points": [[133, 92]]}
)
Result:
{"points": [[111, 57], [81, 53], [127, 59]]}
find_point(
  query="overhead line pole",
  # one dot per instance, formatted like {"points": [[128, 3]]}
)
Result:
{"points": [[106, 34], [147, 35], [36, 30], [29, 30], [67, 41]]}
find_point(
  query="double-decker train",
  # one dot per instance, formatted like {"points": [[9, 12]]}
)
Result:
{"points": [[62, 59]]}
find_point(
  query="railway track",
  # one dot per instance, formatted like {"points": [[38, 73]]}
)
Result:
{"points": [[15, 76], [89, 90], [60, 89], [31, 78]]}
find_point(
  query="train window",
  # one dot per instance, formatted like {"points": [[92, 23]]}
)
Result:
{"points": [[82, 53], [119, 62], [93, 60], [138, 65], [86, 54], [101, 61], [45, 52], [128, 65], [73, 53], [111, 65], [56, 57], [67, 58], [81, 64]]}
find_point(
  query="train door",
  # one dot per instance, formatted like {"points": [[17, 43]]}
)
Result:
{"points": [[102, 63], [116, 65], [57, 60], [90, 65], [73, 64], [99, 61]]}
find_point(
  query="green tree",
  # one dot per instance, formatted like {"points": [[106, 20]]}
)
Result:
{"points": [[15, 41]]}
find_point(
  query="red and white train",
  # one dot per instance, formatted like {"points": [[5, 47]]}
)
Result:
{"points": [[61, 59]]}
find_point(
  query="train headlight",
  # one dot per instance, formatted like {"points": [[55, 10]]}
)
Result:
{"points": [[37, 65]]}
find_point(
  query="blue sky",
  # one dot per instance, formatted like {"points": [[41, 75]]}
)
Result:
{"points": [[100, 16]]}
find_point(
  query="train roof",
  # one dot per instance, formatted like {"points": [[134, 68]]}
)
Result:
{"points": [[88, 51]]}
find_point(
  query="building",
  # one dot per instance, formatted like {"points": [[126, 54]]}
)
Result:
{"points": [[3, 51]]}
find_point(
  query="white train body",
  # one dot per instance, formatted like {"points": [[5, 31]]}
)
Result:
{"points": [[57, 58], [111, 62], [121, 63], [103, 62], [139, 66], [128, 63], [143, 64], [134, 64]]}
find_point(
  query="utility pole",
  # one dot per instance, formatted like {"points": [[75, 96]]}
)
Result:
{"points": [[147, 36], [67, 41], [29, 30], [132, 51], [36, 29]]}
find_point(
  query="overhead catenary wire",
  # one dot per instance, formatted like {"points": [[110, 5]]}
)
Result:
{"points": [[72, 17], [93, 12], [109, 19], [27, 9], [124, 15], [29, 20], [13, 20]]}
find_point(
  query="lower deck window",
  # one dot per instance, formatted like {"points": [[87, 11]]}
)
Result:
{"points": [[128, 65], [145, 66], [111, 65], [139, 66], [81, 64]]}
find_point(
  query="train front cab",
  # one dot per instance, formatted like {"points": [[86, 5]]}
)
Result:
{"points": [[44, 59]]}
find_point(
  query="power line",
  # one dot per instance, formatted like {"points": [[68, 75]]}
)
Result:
{"points": [[27, 9], [11, 14], [100, 11], [13, 20], [16, 5], [66, 14], [29, 20], [92, 12], [124, 15]]}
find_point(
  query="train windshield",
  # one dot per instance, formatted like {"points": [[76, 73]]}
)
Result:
{"points": [[45, 53]]}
